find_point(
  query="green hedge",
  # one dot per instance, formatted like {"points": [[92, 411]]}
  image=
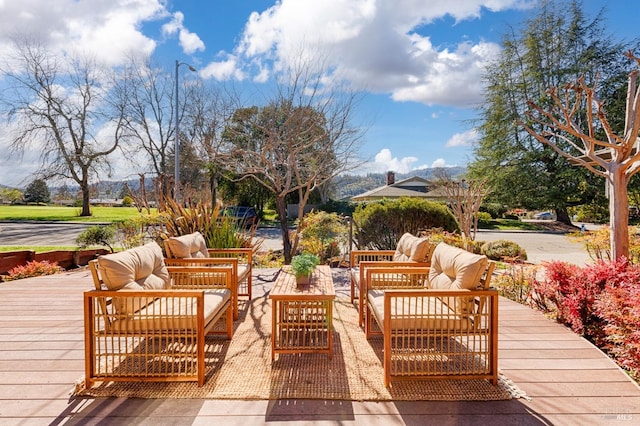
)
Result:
{"points": [[379, 225]]}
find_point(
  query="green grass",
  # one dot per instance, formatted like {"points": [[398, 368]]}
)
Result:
{"points": [[511, 225], [39, 249], [71, 214]]}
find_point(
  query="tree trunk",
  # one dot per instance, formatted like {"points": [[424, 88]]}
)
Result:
{"points": [[281, 207], [618, 212], [562, 216], [86, 206]]}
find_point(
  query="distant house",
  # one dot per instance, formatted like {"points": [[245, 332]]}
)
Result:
{"points": [[411, 187]]}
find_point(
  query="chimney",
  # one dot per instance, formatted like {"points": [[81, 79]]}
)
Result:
{"points": [[391, 178]]}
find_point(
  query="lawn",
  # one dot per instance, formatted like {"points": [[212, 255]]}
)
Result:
{"points": [[71, 214]]}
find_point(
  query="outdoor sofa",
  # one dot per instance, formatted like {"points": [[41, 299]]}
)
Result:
{"points": [[439, 322], [147, 322], [191, 250]]}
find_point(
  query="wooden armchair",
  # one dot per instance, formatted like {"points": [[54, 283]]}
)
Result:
{"points": [[411, 251], [147, 322], [191, 250], [437, 322]]}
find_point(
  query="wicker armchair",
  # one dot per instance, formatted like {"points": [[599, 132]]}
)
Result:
{"points": [[191, 250], [147, 322], [411, 251], [437, 322]]}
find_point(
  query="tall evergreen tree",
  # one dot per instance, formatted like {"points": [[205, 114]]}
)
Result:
{"points": [[555, 47], [37, 192]]}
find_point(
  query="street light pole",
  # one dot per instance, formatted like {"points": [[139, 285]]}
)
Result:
{"points": [[176, 154]]}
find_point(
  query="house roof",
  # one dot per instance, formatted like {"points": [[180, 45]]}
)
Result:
{"points": [[411, 187]]}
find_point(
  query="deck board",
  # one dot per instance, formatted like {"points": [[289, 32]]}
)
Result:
{"points": [[42, 354]]}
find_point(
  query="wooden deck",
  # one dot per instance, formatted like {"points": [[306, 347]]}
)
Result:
{"points": [[41, 355]]}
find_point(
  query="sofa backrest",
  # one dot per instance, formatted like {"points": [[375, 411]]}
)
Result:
{"points": [[455, 268], [186, 246], [138, 268], [412, 249]]}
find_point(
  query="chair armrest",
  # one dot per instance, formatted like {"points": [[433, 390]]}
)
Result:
{"points": [[239, 253], [203, 261], [384, 277], [358, 256], [201, 277]]}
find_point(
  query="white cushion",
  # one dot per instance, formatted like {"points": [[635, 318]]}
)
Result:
{"points": [[139, 268], [411, 249], [187, 246], [416, 313], [174, 313]]}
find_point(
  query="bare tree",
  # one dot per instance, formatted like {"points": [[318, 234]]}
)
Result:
{"points": [[465, 198], [301, 139], [65, 108], [206, 116], [150, 114], [615, 157]]}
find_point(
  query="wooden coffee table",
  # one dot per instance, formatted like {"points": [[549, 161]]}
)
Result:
{"points": [[302, 318]]}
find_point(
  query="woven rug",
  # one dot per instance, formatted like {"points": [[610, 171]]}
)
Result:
{"points": [[241, 368]]}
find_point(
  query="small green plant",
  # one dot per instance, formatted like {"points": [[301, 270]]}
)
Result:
{"points": [[304, 264], [98, 235], [35, 268]]}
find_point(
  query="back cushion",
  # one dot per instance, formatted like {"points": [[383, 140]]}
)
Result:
{"points": [[187, 246], [455, 268], [139, 268], [412, 249]]}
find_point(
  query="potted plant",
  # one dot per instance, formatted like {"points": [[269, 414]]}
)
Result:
{"points": [[302, 266]]}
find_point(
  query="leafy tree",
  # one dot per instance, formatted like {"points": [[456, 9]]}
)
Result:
{"points": [[554, 47], [61, 104], [37, 192], [12, 195], [296, 142]]}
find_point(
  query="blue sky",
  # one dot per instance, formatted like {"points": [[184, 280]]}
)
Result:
{"points": [[420, 61]]}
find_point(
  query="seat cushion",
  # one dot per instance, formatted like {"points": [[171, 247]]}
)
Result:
{"points": [[173, 314], [416, 313], [412, 249], [186, 246]]}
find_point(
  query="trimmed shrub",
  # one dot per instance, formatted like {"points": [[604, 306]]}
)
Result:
{"points": [[503, 250], [379, 225], [484, 219]]}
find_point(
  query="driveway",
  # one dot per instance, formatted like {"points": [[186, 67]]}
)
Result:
{"points": [[539, 245]]}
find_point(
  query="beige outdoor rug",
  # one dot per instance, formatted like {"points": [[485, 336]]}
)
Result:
{"points": [[242, 369]]}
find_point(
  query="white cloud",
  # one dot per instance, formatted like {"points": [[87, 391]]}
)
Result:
{"points": [[384, 161], [376, 45], [467, 138], [190, 42], [223, 70], [439, 163], [106, 29]]}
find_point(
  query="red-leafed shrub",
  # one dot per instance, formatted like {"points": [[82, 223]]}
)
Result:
{"points": [[599, 301], [569, 292], [33, 269], [619, 308]]}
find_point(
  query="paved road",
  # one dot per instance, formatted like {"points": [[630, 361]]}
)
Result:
{"points": [[540, 246], [40, 233]]}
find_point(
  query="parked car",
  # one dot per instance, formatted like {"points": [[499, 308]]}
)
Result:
{"points": [[245, 215], [543, 216]]}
